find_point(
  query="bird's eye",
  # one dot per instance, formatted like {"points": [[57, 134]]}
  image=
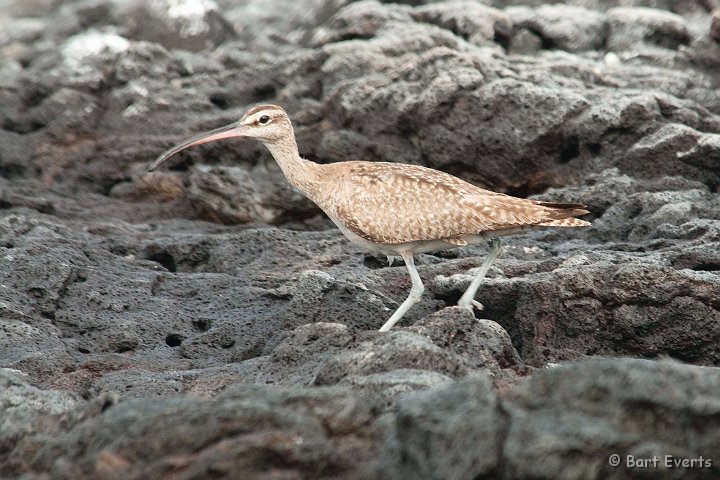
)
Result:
{"points": [[264, 119]]}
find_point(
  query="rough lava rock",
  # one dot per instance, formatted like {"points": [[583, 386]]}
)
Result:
{"points": [[208, 319], [584, 412]]}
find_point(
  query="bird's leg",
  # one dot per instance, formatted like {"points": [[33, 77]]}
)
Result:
{"points": [[468, 298], [415, 293]]}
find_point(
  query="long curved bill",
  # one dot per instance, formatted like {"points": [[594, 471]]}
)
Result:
{"points": [[228, 131]]}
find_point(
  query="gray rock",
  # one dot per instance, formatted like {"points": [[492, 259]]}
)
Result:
{"points": [[16, 30], [524, 41], [135, 383], [32, 345], [633, 27], [704, 154], [683, 7], [473, 21], [673, 149], [234, 195], [277, 25], [317, 296], [25, 409], [562, 26], [186, 24], [238, 433], [608, 308], [454, 432], [384, 389], [391, 351], [331, 354], [484, 344], [587, 410], [454, 139], [301, 353], [592, 410], [360, 20]]}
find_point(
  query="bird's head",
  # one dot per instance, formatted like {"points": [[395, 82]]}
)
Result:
{"points": [[267, 123]]}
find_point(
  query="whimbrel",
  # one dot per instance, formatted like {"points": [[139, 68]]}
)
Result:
{"points": [[396, 209]]}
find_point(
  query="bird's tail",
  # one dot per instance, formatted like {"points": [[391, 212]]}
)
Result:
{"points": [[566, 222], [563, 214]]}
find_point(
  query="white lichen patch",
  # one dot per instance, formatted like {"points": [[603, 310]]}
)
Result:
{"points": [[190, 15], [79, 48], [458, 280]]}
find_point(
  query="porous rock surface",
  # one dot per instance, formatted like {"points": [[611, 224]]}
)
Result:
{"points": [[206, 320]]}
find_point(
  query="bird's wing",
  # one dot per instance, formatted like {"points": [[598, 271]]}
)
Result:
{"points": [[394, 203]]}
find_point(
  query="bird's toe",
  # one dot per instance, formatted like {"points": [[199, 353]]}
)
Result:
{"points": [[472, 305]]}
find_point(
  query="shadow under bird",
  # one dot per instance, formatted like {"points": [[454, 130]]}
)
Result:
{"points": [[396, 209]]}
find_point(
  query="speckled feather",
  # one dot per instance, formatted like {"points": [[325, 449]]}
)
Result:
{"points": [[391, 203]]}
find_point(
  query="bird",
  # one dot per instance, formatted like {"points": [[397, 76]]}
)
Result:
{"points": [[395, 209]]}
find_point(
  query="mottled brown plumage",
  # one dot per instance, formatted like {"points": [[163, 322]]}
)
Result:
{"points": [[391, 204], [393, 208]]}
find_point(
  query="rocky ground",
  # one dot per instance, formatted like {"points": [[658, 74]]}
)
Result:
{"points": [[207, 321]]}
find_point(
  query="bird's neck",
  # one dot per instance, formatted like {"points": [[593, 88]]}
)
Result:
{"points": [[301, 173]]}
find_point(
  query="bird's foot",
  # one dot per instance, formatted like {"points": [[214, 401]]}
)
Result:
{"points": [[472, 305]]}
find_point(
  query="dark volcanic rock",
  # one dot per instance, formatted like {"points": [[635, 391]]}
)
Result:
{"points": [[613, 308], [207, 319], [633, 26], [234, 195], [483, 343], [563, 27], [25, 409], [389, 352], [590, 411], [189, 25], [245, 432], [448, 433], [585, 411], [477, 23]]}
